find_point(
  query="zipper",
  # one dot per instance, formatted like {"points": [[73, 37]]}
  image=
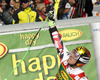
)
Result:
{"points": [[29, 17]]}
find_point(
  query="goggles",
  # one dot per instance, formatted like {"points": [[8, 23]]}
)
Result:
{"points": [[75, 54]]}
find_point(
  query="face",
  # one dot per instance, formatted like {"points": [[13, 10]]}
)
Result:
{"points": [[37, 1], [44, 10], [25, 5], [4, 3], [12, 2], [71, 60], [98, 0], [71, 1], [74, 56], [17, 0]]}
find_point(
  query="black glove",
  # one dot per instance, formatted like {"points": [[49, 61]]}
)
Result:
{"points": [[51, 15]]}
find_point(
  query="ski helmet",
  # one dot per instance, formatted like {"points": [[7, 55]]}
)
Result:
{"points": [[84, 56]]}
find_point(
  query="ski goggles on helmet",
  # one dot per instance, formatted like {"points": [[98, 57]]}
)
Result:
{"points": [[75, 54]]}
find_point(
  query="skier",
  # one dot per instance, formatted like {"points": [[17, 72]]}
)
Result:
{"points": [[71, 63]]}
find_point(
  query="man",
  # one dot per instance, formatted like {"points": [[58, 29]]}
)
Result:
{"points": [[64, 9], [5, 13], [82, 8], [25, 14], [5, 4], [71, 63], [89, 7]]}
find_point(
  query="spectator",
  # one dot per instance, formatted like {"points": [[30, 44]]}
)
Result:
{"points": [[71, 1], [16, 5], [17, 0], [12, 2], [3, 4], [36, 2], [97, 3], [33, 6], [0, 2], [64, 8], [41, 9], [7, 6], [6, 16], [49, 4], [51, 1], [66, 11], [1, 12], [89, 7], [6, 12], [30, 3], [81, 8], [25, 14]]}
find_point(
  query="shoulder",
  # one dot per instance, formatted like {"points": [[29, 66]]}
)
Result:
{"points": [[78, 74], [34, 11], [17, 11], [67, 5], [77, 71], [84, 78]]}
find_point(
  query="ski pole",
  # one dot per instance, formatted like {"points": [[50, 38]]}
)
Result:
{"points": [[39, 30], [28, 49], [30, 44]]}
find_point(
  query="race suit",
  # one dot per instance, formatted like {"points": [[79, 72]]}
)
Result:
{"points": [[65, 72]]}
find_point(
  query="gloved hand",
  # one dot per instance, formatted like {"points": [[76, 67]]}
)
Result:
{"points": [[51, 16]]}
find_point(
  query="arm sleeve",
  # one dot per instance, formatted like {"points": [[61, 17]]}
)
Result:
{"points": [[89, 7], [15, 18], [37, 17], [60, 47]]}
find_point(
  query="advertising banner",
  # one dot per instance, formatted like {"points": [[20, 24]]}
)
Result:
{"points": [[41, 62], [95, 31]]}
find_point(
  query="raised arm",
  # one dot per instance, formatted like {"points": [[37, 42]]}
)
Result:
{"points": [[60, 47]]}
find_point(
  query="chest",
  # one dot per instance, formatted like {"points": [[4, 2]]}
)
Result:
{"points": [[26, 16], [74, 73]]}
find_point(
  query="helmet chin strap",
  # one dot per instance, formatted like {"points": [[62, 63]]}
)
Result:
{"points": [[74, 65]]}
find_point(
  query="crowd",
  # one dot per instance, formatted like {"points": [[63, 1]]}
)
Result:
{"points": [[97, 2], [26, 11]]}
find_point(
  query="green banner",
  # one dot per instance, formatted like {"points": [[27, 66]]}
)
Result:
{"points": [[41, 62], [62, 74]]}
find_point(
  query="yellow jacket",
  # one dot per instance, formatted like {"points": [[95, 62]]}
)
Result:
{"points": [[25, 16]]}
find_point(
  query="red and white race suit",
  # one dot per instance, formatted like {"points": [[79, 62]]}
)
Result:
{"points": [[73, 73]]}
